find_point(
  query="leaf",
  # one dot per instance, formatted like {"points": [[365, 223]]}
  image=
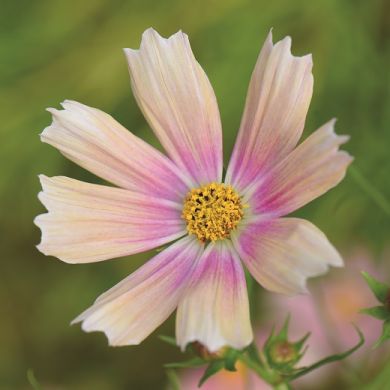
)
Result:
{"points": [[385, 334], [379, 312], [333, 358], [195, 362], [168, 339], [212, 369], [379, 289]]}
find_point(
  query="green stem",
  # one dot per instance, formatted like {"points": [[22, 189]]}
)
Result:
{"points": [[32, 380], [261, 371], [282, 386], [268, 375], [370, 190], [173, 380]]}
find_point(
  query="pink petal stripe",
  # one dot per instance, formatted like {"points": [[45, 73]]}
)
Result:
{"points": [[282, 253], [312, 169], [98, 143], [135, 307], [215, 309], [178, 101], [88, 222], [278, 99]]}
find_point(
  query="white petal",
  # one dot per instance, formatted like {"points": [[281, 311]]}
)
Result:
{"points": [[179, 103], [282, 253], [215, 309], [278, 99], [313, 168], [134, 308], [98, 143], [88, 222]]}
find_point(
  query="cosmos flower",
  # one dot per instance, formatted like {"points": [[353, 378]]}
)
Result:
{"points": [[217, 223]]}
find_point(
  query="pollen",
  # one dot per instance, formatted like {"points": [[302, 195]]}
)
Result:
{"points": [[212, 211]]}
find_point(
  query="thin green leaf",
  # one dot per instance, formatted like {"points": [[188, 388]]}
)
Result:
{"points": [[332, 358], [379, 312], [283, 334], [385, 334], [173, 380], [32, 380], [379, 289], [300, 343], [168, 339], [212, 369], [195, 362]]}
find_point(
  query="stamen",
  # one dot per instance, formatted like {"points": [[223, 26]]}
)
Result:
{"points": [[212, 211]]}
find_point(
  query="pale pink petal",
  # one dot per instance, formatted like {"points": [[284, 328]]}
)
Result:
{"points": [[98, 143], [178, 101], [313, 168], [215, 310], [89, 222], [278, 98], [134, 308], [282, 253]]}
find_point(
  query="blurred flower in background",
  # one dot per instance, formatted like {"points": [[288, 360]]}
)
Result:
{"points": [[329, 314]]}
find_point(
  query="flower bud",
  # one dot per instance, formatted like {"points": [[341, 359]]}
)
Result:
{"points": [[283, 352]]}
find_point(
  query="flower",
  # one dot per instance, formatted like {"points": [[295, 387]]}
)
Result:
{"points": [[216, 224]]}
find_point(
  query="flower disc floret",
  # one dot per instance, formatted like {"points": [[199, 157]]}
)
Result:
{"points": [[212, 211]]}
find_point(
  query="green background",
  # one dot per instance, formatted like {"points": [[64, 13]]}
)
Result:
{"points": [[56, 50]]}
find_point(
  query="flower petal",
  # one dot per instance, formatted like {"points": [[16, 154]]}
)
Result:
{"points": [[134, 308], [282, 253], [312, 169], [98, 143], [278, 98], [90, 222], [215, 311], [178, 101]]}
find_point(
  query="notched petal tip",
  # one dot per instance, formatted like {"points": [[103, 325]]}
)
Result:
{"points": [[67, 104], [51, 109], [150, 36], [44, 180], [285, 45]]}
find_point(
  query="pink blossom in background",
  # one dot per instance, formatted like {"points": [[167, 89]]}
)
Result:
{"points": [[328, 313]]}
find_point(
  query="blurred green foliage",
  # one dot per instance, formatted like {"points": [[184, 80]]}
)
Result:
{"points": [[53, 50]]}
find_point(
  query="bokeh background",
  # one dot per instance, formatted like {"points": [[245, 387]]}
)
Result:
{"points": [[56, 50]]}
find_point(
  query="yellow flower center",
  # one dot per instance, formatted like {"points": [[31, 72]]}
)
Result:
{"points": [[212, 211]]}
